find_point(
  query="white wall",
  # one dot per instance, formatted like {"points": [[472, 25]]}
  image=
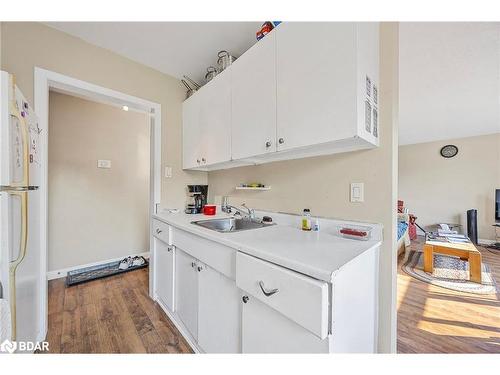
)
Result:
{"points": [[96, 214], [437, 190]]}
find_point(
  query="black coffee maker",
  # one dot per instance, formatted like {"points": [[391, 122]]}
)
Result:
{"points": [[197, 198]]}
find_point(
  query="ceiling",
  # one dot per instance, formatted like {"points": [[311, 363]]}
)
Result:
{"points": [[449, 72], [449, 80], [174, 48]]}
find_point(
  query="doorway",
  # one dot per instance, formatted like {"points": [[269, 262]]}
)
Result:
{"points": [[46, 81]]}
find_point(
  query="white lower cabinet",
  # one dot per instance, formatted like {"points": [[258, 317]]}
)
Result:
{"points": [[164, 273], [283, 311], [265, 330], [186, 291], [219, 316]]}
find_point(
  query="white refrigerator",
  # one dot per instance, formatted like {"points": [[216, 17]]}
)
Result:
{"points": [[20, 272]]}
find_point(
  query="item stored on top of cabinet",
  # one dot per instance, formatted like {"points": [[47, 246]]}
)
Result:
{"points": [[306, 219], [194, 83], [211, 73], [224, 60], [190, 91], [264, 30], [355, 232]]}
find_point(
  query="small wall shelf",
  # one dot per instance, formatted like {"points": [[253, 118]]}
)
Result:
{"points": [[253, 188]]}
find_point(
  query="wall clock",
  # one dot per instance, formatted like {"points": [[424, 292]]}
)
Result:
{"points": [[449, 151]]}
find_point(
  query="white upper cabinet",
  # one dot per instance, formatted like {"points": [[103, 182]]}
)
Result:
{"points": [[254, 100], [215, 120], [191, 129], [319, 80], [305, 89], [206, 124]]}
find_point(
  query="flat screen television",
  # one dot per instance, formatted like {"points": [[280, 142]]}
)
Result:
{"points": [[497, 205]]}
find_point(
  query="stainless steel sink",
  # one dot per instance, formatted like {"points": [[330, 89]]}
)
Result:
{"points": [[230, 224]]}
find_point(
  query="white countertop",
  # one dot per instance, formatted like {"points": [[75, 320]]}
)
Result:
{"points": [[317, 254]]}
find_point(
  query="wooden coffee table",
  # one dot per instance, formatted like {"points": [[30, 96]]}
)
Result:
{"points": [[465, 251]]}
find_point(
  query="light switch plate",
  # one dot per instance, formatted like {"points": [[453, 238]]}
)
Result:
{"points": [[168, 172], [104, 164], [357, 192]]}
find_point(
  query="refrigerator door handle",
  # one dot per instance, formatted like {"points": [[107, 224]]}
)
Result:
{"points": [[22, 254]]}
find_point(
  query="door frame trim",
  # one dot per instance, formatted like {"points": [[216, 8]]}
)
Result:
{"points": [[46, 80]]}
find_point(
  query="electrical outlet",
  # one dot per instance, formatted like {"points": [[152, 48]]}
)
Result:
{"points": [[104, 164]]}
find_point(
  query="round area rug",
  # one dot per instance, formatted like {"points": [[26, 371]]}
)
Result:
{"points": [[449, 272]]}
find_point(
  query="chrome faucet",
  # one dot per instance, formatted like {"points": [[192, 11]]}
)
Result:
{"points": [[226, 207]]}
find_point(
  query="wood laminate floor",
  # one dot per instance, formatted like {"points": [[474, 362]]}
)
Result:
{"points": [[112, 315], [432, 319]]}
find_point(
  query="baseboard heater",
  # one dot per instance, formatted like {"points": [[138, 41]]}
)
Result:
{"points": [[99, 271]]}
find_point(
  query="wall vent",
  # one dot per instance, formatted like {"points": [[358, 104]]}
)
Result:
{"points": [[368, 116]]}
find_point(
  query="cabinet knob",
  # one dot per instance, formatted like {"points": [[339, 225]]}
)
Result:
{"points": [[158, 231], [203, 160], [169, 248], [281, 141], [198, 161], [268, 144], [200, 268], [245, 299], [193, 264]]}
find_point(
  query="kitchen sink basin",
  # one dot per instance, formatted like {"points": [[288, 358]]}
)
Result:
{"points": [[231, 224]]}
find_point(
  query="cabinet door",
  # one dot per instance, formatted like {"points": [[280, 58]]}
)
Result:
{"points": [[316, 83], [215, 119], [219, 313], [164, 273], [191, 127], [186, 291], [254, 100], [264, 330]]}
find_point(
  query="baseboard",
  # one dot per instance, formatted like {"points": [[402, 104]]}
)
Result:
{"points": [[57, 274], [486, 242]]}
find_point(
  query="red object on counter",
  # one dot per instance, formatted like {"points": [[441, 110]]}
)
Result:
{"points": [[209, 209], [353, 232]]}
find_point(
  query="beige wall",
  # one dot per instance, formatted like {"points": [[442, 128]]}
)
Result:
{"points": [[96, 214], [438, 190], [322, 183], [53, 50]]}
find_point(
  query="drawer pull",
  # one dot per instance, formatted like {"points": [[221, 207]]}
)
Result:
{"points": [[169, 248], [158, 231], [266, 292]]}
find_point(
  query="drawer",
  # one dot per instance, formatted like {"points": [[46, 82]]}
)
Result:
{"points": [[220, 257], [302, 299], [160, 230]]}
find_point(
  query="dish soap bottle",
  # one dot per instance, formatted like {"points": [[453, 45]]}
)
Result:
{"points": [[306, 219]]}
